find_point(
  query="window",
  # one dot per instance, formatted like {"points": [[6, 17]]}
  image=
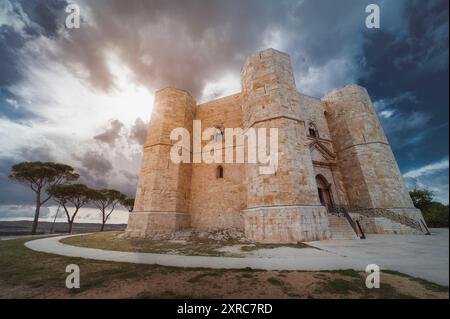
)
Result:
{"points": [[218, 136], [219, 173], [312, 130]]}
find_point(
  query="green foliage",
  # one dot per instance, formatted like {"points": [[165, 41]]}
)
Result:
{"points": [[434, 213], [75, 194], [39, 177], [421, 198], [106, 200], [275, 281], [128, 203], [38, 174]]}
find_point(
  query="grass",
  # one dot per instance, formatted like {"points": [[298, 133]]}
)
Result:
{"points": [[428, 284], [257, 246], [275, 281], [28, 274], [345, 272], [115, 241], [341, 286], [195, 246], [199, 277]]}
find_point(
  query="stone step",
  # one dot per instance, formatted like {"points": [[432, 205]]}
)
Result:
{"points": [[340, 228]]}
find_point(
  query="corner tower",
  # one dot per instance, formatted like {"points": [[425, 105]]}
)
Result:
{"points": [[163, 192], [370, 173], [284, 206]]}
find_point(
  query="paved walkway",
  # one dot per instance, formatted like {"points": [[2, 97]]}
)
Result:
{"points": [[421, 256]]}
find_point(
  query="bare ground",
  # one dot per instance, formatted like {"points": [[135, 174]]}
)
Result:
{"points": [[28, 274]]}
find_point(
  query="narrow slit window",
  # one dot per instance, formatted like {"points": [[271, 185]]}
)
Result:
{"points": [[219, 173], [218, 136], [312, 130]]}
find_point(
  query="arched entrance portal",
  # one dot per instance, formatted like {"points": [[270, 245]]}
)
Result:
{"points": [[323, 187]]}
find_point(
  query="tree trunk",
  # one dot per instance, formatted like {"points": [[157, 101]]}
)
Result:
{"points": [[36, 213], [70, 226], [103, 226]]}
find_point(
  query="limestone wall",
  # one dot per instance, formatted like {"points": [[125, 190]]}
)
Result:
{"points": [[270, 100], [354, 156], [218, 202], [163, 193], [370, 172]]}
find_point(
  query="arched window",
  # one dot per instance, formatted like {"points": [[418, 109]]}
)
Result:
{"points": [[312, 130], [219, 172], [218, 135]]}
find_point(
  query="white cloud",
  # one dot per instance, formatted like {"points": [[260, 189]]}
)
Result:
{"points": [[433, 176], [394, 101], [12, 15], [13, 103], [320, 80], [226, 85], [427, 169], [387, 113], [68, 113]]}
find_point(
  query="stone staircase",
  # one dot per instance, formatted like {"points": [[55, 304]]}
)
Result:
{"points": [[340, 228]]}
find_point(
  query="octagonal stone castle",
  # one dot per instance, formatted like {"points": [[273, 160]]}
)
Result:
{"points": [[337, 176]]}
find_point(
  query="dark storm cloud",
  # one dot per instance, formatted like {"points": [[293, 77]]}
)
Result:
{"points": [[95, 163], [189, 44], [138, 132], [46, 16], [110, 135], [93, 169], [10, 41], [176, 43], [32, 18], [41, 153]]}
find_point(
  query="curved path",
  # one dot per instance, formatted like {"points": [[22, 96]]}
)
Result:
{"points": [[301, 259], [417, 255]]}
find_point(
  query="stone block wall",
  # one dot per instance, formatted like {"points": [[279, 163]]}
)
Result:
{"points": [[279, 207], [218, 202], [370, 172], [163, 194]]}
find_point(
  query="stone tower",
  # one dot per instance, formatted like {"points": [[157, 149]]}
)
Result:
{"points": [[163, 192], [372, 177], [283, 206], [333, 158]]}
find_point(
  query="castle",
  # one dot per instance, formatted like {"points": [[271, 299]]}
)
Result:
{"points": [[336, 177]]}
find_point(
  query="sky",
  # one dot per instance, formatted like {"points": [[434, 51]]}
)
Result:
{"points": [[84, 96]]}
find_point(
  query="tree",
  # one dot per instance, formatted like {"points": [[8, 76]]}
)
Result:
{"points": [[436, 215], [106, 200], [39, 176], [76, 195], [129, 204], [422, 198]]}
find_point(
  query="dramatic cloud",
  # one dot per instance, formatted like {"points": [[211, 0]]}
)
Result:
{"points": [[138, 132], [427, 169], [84, 96], [111, 134]]}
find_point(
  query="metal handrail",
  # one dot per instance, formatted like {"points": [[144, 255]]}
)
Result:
{"points": [[339, 210], [381, 212]]}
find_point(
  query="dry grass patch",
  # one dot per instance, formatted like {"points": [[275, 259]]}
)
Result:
{"points": [[28, 274]]}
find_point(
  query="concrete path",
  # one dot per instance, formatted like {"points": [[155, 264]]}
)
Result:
{"points": [[416, 255], [422, 256]]}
